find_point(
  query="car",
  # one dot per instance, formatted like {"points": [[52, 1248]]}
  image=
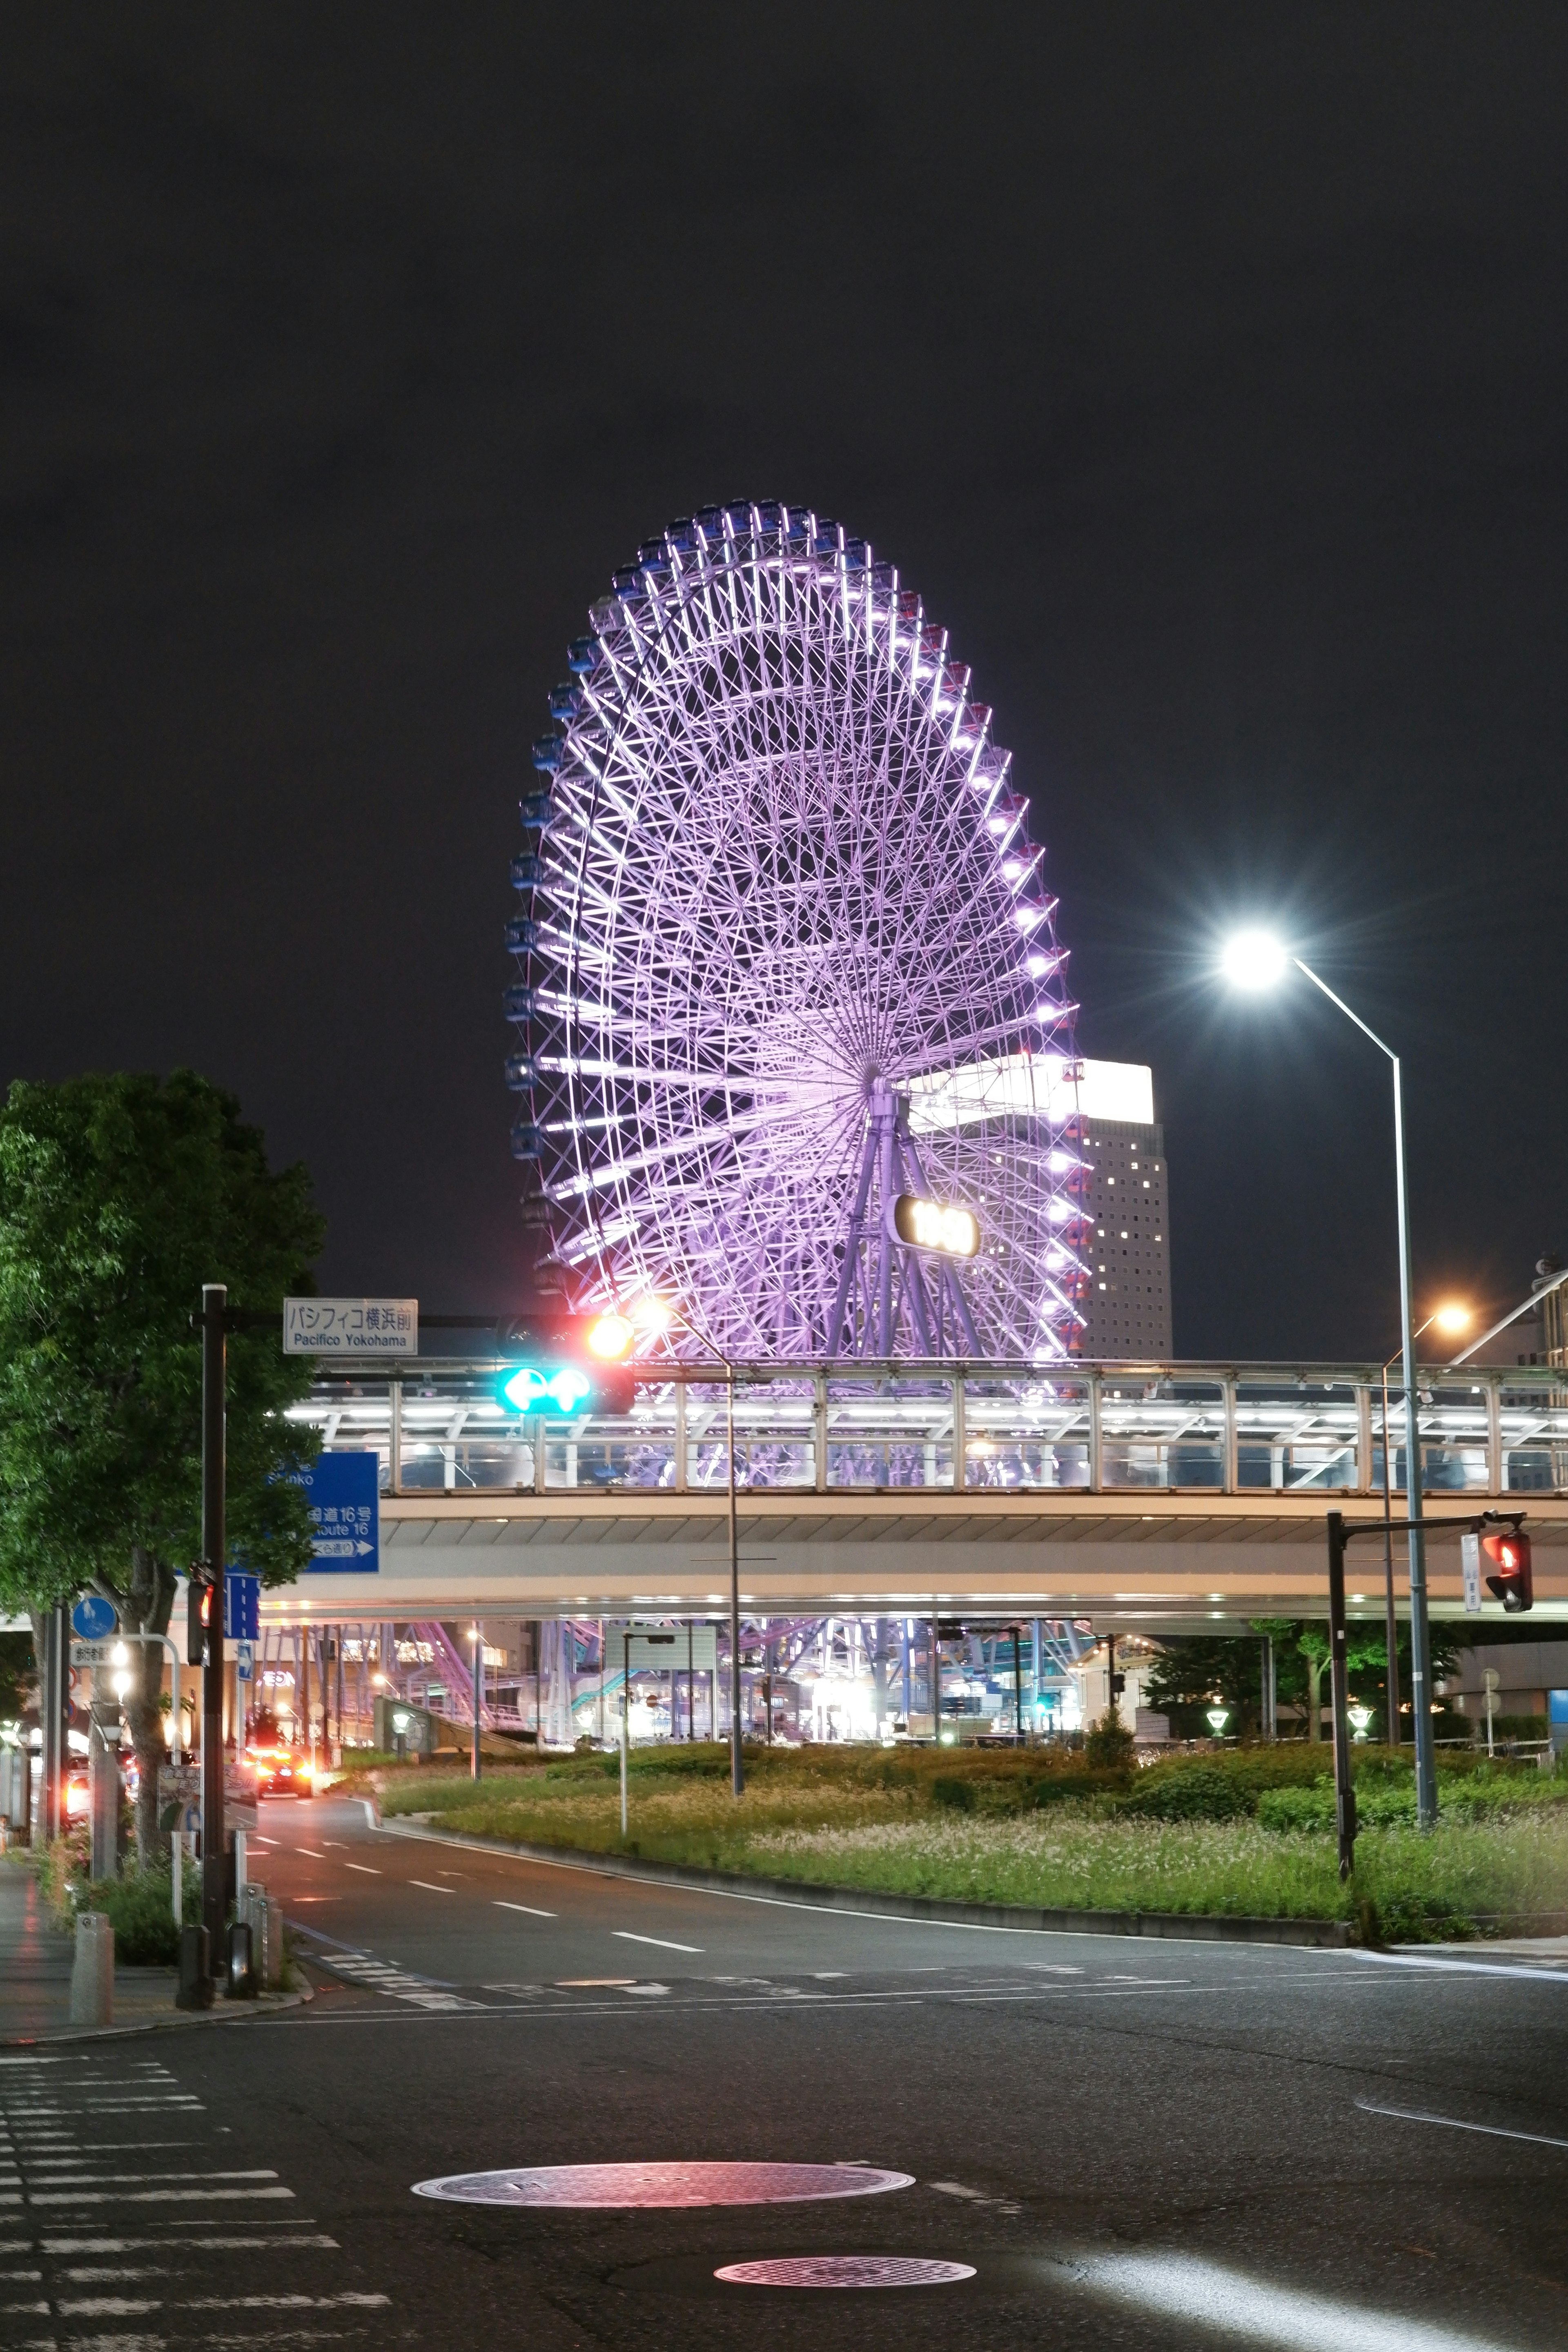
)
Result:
{"points": [[280, 1772]]}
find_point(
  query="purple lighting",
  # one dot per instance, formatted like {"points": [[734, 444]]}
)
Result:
{"points": [[777, 966]]}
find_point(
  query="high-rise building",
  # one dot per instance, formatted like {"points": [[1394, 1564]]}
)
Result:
{"points": [[1105, 1110], [1127, 1220]]}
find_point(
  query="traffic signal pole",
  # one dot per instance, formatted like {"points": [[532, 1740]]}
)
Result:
{"points": [[1343, 1532], [214, 1859], [1338, 1685]]}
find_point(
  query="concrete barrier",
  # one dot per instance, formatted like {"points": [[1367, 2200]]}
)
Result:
{"points": [[92, 1972]]}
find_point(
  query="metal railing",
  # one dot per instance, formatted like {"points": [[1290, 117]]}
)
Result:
{"points": [[1226, 1430]]}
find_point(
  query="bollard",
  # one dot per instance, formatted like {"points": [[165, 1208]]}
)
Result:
{"points": [[195, 1983], [264, 1918], [92, 1972], [241, 1974], [273, 1946]]}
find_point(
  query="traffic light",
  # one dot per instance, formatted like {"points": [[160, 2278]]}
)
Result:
{"points": [[1514, 1584], [198, 1617], [571, 1364]]}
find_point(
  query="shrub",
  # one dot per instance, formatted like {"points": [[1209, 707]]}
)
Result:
{"points": [[1109, 1742], [959, 1795], [1196, 1792], [140, 1908], [1298, 1808]]}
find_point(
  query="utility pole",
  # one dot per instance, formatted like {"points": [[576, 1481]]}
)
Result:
{"points": [[214, 1857]]}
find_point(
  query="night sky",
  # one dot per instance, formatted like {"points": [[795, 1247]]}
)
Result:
{"points": [[1202, 367]]}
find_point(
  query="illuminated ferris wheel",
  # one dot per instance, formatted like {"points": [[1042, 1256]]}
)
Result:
{"points": [[795, 1049]]}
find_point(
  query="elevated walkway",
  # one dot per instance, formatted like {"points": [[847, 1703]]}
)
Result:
{"points": [[1169, 1496]]}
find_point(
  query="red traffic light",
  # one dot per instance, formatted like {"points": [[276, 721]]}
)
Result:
{"points": [[1514, 1584], [198, 1616]]}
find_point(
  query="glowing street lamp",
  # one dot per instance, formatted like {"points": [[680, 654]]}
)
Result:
{"points": [[1360, 1717], [1217, 1717], [1257, 961]]}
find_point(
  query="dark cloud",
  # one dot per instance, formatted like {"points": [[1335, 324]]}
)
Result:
{"points": [[1204, 368]]}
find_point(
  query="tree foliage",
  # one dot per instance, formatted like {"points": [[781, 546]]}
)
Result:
{"points": [[1193, 1669], [120, 1196]]}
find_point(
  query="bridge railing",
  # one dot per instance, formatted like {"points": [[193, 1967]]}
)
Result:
{"points": [[1094, 1428]]}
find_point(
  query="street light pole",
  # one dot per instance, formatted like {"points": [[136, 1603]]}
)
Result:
{"points": [[737, 1768], [477, 1688], [1420, 1639], [737, 1772], [1391, 1623], [214, 1859]]}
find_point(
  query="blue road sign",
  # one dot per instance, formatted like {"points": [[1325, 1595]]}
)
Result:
{"points": [[94, 1620], [344, 1491], [241, 1606]]}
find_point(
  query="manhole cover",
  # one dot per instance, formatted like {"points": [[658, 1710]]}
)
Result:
{"points": [[844, 2270], [662, 2184]]}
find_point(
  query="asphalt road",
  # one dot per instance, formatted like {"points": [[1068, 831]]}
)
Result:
{"points": [[1134, 2143]]}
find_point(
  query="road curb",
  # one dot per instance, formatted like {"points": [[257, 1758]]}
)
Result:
{"points": [[1204, 1927], [222, 2012]]}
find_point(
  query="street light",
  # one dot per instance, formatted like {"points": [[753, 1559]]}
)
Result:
{"points": [[653, 1314], [1255, 960]]}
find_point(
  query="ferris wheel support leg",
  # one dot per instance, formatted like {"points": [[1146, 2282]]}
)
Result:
{"points": [[884, 1118]]}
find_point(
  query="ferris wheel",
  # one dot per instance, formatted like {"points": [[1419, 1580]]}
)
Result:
{"points": [[788, 974]]}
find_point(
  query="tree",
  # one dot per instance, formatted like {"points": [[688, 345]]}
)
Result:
{"points": [[1301, 1660], [1192, 1669], [120, 1196]]}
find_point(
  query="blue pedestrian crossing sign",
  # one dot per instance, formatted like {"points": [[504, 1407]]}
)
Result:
{"points": [[241, 1606], [344, 1491], [93, 1619]]}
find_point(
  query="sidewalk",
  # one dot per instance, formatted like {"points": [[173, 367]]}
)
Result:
{"points": [[35, 1976]]}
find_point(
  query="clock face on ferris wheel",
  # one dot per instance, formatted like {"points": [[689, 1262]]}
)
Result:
{"points": [[785, 961]]}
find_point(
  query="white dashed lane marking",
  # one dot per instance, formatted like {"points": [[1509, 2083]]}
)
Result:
{"points": [[662, 1942], [532, 1910], [68, 2188]]}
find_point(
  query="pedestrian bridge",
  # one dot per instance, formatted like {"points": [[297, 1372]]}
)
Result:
{"points": [[1160, 1496]]}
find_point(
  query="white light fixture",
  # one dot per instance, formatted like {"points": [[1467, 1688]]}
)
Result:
{"points": [[1216, 1718], [1253, 960]]}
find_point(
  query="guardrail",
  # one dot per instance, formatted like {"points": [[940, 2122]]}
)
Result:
{"points": [[1230, 1430]]}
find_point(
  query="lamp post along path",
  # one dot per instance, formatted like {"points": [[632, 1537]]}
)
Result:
{"points": [[214, 1859], [1256, 961]]}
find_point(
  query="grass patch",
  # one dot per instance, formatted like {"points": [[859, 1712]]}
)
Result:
{"points": [[1244, 1832]]}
